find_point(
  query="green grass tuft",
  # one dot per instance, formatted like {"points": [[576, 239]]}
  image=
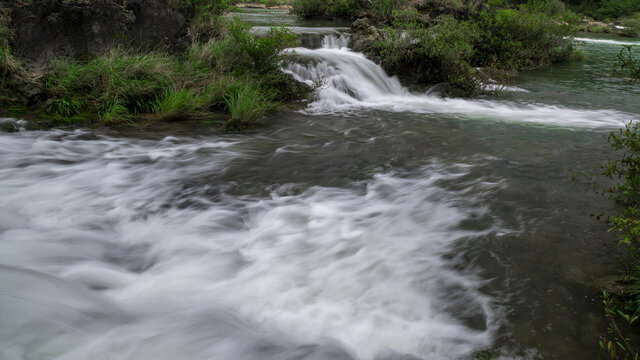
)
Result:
{"points": [[246, 102]]}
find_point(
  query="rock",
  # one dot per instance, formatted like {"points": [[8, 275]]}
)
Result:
{"points": [[360, 25], [363, 35], [46, 29], [373, 33], [9, 125]]}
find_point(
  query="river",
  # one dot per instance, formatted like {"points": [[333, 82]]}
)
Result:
{"points": [[374, 223]]}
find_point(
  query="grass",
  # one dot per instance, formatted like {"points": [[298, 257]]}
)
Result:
{"points": [[8, 64], [208, 77], [247, 102], [180, 104]]}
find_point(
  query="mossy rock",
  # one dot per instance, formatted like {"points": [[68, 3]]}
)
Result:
{"points": [[9, 126]]}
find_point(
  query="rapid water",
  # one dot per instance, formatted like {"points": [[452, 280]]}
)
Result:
{"points": [[348, 82], [374, 224]]}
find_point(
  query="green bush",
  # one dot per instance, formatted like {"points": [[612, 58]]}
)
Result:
{"points": [[521, 39], [504, 40], [624, 310], [605, 9], [436, 54], [331, 9], [308, 9], [259, 53], [628, 63], [384, 10]]}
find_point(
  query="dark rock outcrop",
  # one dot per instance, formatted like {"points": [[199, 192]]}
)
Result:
{"points": [[44, 29], [363, 35]]}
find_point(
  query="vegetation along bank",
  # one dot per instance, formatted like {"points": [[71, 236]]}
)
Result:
{"points": [[81, 66], [108, 61]]}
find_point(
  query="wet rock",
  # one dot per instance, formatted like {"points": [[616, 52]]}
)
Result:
{"points": [[9, 125]]}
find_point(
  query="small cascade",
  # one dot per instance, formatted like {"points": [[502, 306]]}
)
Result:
{"points": [[345, 78], [346, 81]]}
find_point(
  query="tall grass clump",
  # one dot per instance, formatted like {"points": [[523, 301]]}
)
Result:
{"points": [[114, 83], [246, 102], [8, 64], [179, 104]]}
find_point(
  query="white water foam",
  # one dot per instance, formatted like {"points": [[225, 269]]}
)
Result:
{"points": [[606, 41], [141, 263], [351, 82]]}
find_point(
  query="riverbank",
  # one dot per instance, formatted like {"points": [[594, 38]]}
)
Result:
{"points": [[204, 65]]}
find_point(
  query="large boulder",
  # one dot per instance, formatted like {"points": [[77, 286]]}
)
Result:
{"points": [[43, 29]]}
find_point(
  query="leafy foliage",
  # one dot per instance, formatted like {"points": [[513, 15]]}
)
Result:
{"points": [[626, 170], [341, 9], [260, 53], [504, 40], [628, 63], [440, 53], [605, 9]]}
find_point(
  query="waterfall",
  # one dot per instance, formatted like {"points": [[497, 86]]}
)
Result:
{"points": [[348, 82]]}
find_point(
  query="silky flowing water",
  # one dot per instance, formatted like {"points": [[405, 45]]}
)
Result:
{"points": [[374, 223]]}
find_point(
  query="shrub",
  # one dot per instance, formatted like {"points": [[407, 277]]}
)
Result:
{"points": [[626, 193], [440, 53], [260, 53], [384, 10], [504, 39], [308, 9], [332, 9], [521, 39], [628, 63], [605, 9]]}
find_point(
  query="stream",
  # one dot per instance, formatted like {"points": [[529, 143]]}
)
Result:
{"points": [[374, 223]]}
